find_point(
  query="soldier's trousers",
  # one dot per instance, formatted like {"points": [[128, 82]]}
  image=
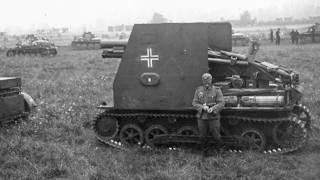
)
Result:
{"points": [[205, 128]]}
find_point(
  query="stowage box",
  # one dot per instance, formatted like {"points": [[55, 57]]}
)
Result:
{"points": [[9, 82]]}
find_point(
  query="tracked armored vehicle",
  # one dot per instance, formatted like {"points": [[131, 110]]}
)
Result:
{"points": [[312, 34], [37, 47], [157, 77], [240, 39], [87, 41], [14, 103]]}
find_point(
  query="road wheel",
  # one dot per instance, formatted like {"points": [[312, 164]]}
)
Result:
{"points": [[188, 131], [254, 138], [153, 131], [131, 135]]}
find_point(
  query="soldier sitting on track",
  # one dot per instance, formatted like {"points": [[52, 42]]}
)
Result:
{"points": [[209, 101]]}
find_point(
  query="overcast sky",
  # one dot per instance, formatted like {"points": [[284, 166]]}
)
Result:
{"points": [[73, 13]]}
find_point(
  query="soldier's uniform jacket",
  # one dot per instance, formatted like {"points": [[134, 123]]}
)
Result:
{"points": [[210, 96]]}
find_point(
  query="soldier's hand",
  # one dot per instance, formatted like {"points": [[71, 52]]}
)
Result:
{"points": [[212, 110], [205, 108]]}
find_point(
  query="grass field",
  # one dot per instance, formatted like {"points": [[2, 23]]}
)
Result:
{"points": [[57, 141]]}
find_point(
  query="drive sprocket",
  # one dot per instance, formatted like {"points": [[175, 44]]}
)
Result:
{"points": [[289, 135], [293, 134], [303, 114]]}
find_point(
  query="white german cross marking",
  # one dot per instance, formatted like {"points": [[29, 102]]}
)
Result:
{"points": [[149, 57]]}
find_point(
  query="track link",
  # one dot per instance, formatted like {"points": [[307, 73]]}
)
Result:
{"points": [[7, 121]]}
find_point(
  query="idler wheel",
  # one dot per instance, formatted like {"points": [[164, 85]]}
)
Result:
{"points": [[188, 131], [107, 127], [153, 131], [255, 140], [131, 135]]}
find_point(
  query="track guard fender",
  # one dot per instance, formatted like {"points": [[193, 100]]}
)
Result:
{"points": [[29, 101]]}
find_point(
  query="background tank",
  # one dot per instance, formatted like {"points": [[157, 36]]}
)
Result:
{"points": [[87, 41], [240, 39], [157, 77], [33, 46], [312, 34], [14, 103]]}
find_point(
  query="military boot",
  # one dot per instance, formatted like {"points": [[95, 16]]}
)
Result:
{"points": [[204, 147]]}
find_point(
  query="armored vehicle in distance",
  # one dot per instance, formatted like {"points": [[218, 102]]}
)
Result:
{"points": [[157, 77], [88, 40], [37, 47], [240, 39], [312, 34]]}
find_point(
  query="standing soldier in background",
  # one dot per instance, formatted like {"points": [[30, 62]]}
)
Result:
{"points": [[253, 48], [313, 29], [271, 35], [297, 36], [278, 37], [208, 101], [292, 36]]}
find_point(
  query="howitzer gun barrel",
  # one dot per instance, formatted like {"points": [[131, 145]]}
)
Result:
{"points": [[113, 43]]}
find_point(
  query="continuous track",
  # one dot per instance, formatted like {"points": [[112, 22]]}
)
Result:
{"points": [[293, 137]]}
